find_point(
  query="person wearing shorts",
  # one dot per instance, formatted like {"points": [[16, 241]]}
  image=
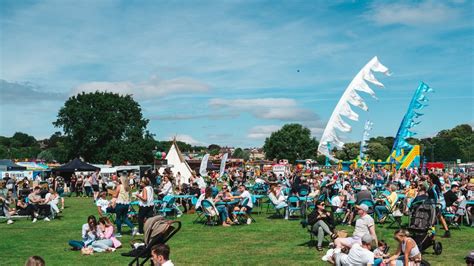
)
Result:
{"points": [[244, 197]]}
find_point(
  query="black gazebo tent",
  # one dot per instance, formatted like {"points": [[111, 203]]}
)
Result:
{"points": [[75, 165]]}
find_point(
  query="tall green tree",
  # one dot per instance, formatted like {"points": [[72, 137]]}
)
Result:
{"points": [[241, 154], [350, 151], [19, 146], [377, 151], [292, 142], [103, 126]]}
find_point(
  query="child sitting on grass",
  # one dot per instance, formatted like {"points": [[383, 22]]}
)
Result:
{"points": [[380, 253]]}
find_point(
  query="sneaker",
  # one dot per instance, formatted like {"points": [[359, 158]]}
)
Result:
{"points": [[328, 255], [118, 235], [134, 231], [9, 221], [34, 220], [47, 219], [138, 234], [179, 215], [249, 221]]}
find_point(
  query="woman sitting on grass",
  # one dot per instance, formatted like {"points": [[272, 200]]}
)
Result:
{"points": [[106, 239], [89, 234], [409, 248]]}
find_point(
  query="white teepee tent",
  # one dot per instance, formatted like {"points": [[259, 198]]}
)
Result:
{"points": [[176, 159]]}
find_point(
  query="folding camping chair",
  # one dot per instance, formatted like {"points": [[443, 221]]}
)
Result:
{"points": [[293, 205], [241, 215], [199, 213], [167, 206], [210, 212], [394, 215], [277, 210]]}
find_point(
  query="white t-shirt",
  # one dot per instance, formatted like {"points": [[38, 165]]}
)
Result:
{"points": [[168, 263], [49, 199], [103, 204], [358, 256], [362, 226], [336, 201], [246, 195]]}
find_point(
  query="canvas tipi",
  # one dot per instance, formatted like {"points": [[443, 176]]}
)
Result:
{"points": [[175, 158]]}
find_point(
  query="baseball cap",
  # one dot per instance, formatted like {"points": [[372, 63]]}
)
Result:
{"points": [[363, 187], [367, 239], [363, 207]]}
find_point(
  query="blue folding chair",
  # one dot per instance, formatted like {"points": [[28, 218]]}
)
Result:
{"points": [[199, 213], [293, 205], [241, 214], [369, 204], [210, 212], [167, 206]]}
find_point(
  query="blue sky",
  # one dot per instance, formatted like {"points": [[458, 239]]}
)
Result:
{"points": [[231, 72]]}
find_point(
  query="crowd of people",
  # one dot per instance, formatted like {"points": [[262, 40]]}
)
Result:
{"points": [[326, 199], [20, 198]]}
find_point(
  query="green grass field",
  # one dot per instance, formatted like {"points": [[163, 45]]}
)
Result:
{"points": [[266, 242]]}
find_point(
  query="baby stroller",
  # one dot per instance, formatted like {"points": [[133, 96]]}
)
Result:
{"points": [[158, 230], [422, 226]]}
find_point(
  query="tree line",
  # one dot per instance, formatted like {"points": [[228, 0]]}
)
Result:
{"points": [[293, 141], [104, 126]]}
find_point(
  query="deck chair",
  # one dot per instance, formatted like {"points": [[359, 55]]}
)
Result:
{"points": [[157, 231]]}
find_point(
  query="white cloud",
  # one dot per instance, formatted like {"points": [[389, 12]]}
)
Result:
{"points": [[261, 132], [187, 139], [152, 88], [193, 116], [427, 12], [267, 108]]}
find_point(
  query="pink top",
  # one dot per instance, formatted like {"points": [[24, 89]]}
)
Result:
{"points": [[109, 234]]}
